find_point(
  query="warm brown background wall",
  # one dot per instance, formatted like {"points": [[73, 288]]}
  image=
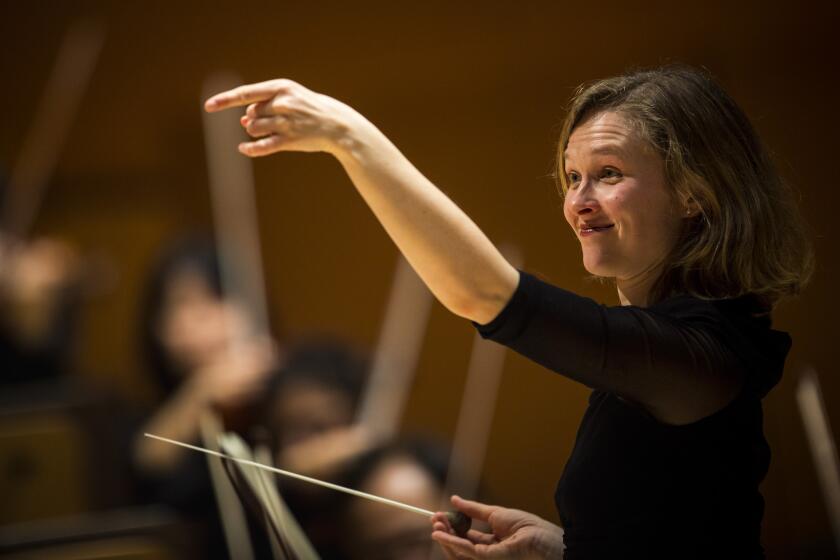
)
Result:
{"points": [[473, 93]]}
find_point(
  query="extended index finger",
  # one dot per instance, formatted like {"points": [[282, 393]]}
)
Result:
{"points": [[245, 95]]}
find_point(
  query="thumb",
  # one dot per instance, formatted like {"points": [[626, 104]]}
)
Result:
{"points": [[263, 146], [476, 510]]}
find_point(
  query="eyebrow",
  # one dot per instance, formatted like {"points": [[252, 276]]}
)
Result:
{"points": [[604, 149]]}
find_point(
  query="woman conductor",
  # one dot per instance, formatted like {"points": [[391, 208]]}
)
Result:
{"points": [[671, 194]]}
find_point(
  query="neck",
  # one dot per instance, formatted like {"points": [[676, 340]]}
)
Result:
{"points": [[636, 289]]}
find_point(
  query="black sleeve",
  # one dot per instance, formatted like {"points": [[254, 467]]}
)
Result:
{"points": [[644, 354]]}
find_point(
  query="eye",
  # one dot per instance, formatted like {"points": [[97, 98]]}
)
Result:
{"points": [[573, 177], [611, 174]]}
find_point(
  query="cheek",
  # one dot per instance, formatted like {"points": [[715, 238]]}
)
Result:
{"points": [[615, 202], [619, 209], [657, 229], [664, 218], [568, 213]]}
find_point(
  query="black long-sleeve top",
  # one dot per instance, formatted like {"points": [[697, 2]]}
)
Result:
{"points": [[635, 487]]}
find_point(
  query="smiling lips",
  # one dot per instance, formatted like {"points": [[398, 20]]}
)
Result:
{"points": [[589, 229]]}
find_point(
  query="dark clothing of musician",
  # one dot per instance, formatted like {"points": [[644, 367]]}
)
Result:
{"points": [[635, 487]]}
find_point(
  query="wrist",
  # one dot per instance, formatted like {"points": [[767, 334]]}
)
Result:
{"points": [[356, 140]]}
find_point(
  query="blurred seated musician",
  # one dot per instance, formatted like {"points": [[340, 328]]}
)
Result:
{"points": [[40, 289], [309, 411], [311, 405], [412, 472], [189, 328]]}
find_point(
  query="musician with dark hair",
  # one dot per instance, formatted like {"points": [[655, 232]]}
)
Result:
{"points": [[189, 328]]}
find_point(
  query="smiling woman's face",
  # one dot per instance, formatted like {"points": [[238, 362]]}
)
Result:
{"points": [[618, 203]]}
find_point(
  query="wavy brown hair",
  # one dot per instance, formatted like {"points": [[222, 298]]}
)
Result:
{"points": [[748, 237]]}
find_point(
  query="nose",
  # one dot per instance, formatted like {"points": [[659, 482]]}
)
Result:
{"points": [[582, 200]]}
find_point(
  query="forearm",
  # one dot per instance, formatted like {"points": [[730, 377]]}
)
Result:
{"points": [[178, 419], [458, 263], [452, 256]]}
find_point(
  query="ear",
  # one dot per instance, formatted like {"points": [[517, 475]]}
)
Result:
{"points": [[690, 208]]}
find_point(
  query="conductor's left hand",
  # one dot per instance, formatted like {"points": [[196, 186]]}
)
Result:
{"points": [[515, 534], [283, 115]]}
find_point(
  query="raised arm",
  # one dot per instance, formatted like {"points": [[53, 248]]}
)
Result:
{"points": [[681, 359], [462, 268]]}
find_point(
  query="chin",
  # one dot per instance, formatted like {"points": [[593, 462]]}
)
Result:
{"points": [[598, 267]]}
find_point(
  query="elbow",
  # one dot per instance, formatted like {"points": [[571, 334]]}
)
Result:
{"points": [[479, 310], [481, 301]]}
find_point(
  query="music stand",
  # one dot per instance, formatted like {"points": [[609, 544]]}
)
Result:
{"points": [[259, 495]]}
